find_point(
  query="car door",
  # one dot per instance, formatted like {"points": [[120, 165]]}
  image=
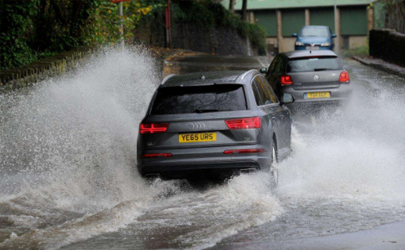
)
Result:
{"points": [[271, 71], [269, 104], [281, 115], [277, 72]]}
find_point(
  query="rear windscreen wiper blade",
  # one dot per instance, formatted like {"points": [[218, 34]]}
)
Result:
{"points": [[210, 110], [321, 69]]}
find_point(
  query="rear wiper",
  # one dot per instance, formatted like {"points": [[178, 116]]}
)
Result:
{"points": [[321, 69], [210, 110]]}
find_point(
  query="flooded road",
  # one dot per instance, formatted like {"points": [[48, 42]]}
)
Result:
{"points": [[68, 151]]}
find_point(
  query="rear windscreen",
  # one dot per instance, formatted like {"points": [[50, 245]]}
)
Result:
{"points": [[313, 64], [199, 99], [315, 32]]}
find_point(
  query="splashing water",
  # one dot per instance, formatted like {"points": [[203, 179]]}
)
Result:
{"points": [[68, 146], [68, 154]]}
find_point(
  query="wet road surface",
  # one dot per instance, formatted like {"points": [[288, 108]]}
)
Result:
{"points": [[66, 179]]}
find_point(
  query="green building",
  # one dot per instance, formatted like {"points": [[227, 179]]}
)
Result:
{"points": [[281, 18]]}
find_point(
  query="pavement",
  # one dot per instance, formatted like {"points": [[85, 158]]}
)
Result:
{"points": [[381, 64]]}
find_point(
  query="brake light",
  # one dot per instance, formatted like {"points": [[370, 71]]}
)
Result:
{"points": [[153, 128], [286, 80], [344, 76], [244, 151], [244, 123], [156, 155]]}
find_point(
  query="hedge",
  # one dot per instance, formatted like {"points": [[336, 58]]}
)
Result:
{"points": [[388, 45]]}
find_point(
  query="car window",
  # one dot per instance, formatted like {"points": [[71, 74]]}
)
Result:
{"points": [[279, 65], [269, 90], [313, 64], [313, 31], [263, 91], [256, 93], [197, 99], [273, 64]]}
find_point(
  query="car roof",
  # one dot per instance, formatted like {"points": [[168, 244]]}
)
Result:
{"points": [[315, 26], [207, 78], [305, 53]]}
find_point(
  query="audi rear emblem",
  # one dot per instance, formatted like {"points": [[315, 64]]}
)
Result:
{"points": [[196, 125], [316, 77]]}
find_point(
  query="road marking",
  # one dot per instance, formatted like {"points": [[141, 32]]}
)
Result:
{"points": [[313, 120]]}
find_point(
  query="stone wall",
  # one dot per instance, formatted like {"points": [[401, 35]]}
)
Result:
{"points": [[48, 67], [388, 45], [190, 36]]}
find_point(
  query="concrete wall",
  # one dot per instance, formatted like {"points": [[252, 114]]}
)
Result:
{"points": [[217, 40], [288, 43], [190, 36], [357, 41]]}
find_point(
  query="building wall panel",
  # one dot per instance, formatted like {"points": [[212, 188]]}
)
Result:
{"points": [[323, 16], [293, 20], [379, 15], [353, 20], [267, 19]]}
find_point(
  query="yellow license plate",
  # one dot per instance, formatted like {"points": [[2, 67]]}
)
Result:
{"points": [[200, 137], [318, 95]]}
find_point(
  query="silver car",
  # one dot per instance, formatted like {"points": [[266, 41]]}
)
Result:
{"points": [[309, 76], [213, 123]]}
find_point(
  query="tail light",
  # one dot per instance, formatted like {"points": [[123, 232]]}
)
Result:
{"points": [[244, 123], [244, 151], [156, 155], [153, 128], [286, 80], [344, 76]]}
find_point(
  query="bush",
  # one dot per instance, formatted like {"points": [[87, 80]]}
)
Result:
{"points": [[388, 45]]}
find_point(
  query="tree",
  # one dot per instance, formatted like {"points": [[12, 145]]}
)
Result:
{"points": [[244, 9], [393, 14], [232, 6]]}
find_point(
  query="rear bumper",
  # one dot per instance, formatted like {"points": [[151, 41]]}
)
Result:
{"points": [[187, 161], [339, 94]]}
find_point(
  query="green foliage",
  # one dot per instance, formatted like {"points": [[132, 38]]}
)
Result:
{"points": [[195, 12], [14, 24], [359, 51], [31, 30], [104, 27]]}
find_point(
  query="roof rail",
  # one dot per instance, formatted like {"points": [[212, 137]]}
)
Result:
{"points": [[167, 78], [247, 72]]}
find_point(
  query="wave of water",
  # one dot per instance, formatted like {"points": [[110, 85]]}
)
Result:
{"points": [[68, 148], [68, 151]]}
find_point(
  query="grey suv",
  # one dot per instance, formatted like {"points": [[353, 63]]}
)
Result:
{"points": [[310, 76], [213, 122]]}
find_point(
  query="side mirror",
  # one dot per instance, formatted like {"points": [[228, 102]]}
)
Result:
{"points": [[294, 35], [334, 36], [263, 70], [286, 99]]}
